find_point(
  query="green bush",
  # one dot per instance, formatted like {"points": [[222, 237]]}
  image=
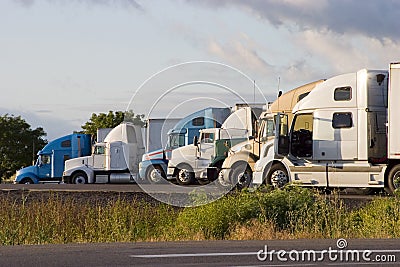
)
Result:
{"points": [[215, 220], [378, 219]]}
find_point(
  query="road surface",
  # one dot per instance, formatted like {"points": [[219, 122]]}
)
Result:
{"points": [[358, 252]]}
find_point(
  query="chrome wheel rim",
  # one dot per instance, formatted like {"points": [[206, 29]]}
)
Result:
{"points": [[279, 178], [155, 175], [183, 175]]}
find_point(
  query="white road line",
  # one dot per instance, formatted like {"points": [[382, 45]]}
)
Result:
{"points": [[216, 254], [195, 255]]}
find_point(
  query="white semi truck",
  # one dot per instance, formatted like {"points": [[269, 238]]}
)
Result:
{"points": [[115, 160], [203, 159], [237, 169], [344, 134]]}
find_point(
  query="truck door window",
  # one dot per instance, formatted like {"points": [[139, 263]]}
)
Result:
{"points": [[301, 136], [45, 159], [270, 128], [284, 125], [99, 150], [207, 138], [175, 141], [267, 129]]}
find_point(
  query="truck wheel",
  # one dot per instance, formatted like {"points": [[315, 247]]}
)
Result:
{"points": [[222, 183], [393, 181], [241, 175], [185, 175], [79, 178], [26, 181], [155, 174], [277, 176]]}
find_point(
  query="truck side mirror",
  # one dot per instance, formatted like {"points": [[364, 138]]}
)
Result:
{"points": [[195, 140]]}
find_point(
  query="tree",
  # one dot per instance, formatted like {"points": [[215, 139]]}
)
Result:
{"points": [[111, 120], [135, 119], [17, 143]]}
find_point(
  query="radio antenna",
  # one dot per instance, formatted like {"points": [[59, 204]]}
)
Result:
{"points": [[254, 91]]}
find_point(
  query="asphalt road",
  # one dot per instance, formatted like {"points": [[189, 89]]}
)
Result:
{"points": [[358, 252]]}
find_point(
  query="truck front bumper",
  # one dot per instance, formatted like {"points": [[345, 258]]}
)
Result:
{"points": [[170, 173], [66, 179], [257, 177]]}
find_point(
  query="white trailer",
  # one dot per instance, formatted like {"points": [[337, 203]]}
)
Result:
{"points": [[156, 131], [113, 161], [344, 134]]}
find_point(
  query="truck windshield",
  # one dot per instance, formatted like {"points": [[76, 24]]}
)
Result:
{"points": [[175, 141]]}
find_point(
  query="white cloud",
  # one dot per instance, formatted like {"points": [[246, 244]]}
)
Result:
{"points": [[240, 52], [347, 52], [117, 3]]}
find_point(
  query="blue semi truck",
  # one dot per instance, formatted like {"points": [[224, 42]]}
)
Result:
{"points": [[49, 165], [153, 167]]}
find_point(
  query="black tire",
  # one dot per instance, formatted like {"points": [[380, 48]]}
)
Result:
{"points": [[277, 176], [203, 181], [155, 174], [26, 181], [185, 175], [393, 180], [241, 175], [79, 178]]}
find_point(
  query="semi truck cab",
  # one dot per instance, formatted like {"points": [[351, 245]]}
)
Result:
{"points": [[340, 136], [202, 159], [49, 165]]}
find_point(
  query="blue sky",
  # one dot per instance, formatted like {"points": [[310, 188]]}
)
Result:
{"points": [[62, 60]]}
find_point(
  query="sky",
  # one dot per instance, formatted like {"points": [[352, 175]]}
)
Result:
{"points": [[62, 60]]}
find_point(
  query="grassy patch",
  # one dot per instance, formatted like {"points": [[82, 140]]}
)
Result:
{"points": [[52, 220], [281, 214]]}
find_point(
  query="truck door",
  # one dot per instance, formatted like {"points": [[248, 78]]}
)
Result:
{"points": [[44, 166], [281, 143], [99, 157], [205, 150], [303, 168]]}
